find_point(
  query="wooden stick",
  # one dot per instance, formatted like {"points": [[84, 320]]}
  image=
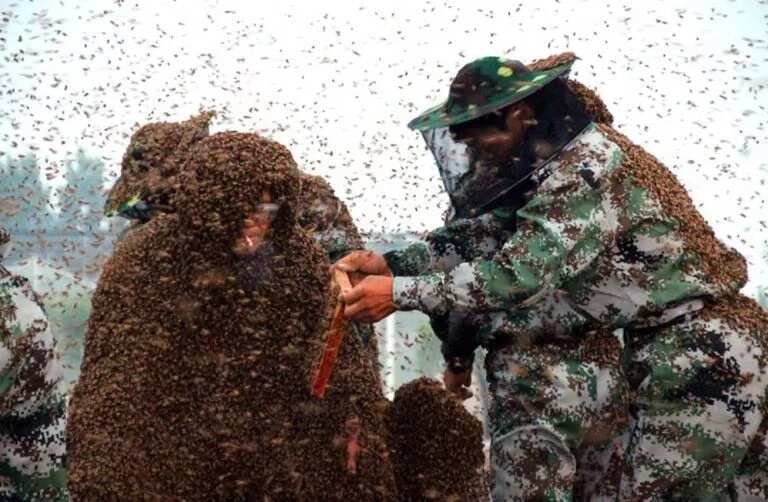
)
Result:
{"points": [[342, 279], [333, 338]]}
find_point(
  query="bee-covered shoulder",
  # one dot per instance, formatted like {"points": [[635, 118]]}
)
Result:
{"points": [[589, 158]]}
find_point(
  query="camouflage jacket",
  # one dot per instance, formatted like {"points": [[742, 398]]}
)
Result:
{"points": [[32, 404], [595, 245], [460, 240]]}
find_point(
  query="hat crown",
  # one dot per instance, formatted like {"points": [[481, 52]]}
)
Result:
{"points": [[476, 83], [484, 86]]}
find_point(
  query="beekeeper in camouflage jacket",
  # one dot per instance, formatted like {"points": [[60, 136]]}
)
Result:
{"points": [[604, 238], [32, 405]]}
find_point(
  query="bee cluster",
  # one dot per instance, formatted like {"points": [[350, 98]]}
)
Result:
{"points": [[436, 445], [194, 380]]}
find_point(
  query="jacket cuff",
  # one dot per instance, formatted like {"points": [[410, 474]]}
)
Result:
{"points": [[424, 293], [413, 260], [402, 293]]}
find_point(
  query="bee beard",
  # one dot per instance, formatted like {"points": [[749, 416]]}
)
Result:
{"points": [[502, 146], [480, 183]]}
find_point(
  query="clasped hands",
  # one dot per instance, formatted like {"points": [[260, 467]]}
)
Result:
{"points": [[370, 300]]}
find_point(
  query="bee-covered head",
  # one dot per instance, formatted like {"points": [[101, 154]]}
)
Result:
{"points": [[228, 176], [150, 166]]}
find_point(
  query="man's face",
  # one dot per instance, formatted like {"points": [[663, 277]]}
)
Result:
{"points": [[497, 136]]}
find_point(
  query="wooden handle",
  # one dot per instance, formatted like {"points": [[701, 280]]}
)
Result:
{"points": [[334, 337], [342, 279]]}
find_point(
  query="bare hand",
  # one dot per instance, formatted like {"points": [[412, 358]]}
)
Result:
{"points": [[370, 301], [458, 383], [365, 262]]}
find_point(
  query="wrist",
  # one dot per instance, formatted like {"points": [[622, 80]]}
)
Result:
{"points": [[405, 293], [425, 293]]}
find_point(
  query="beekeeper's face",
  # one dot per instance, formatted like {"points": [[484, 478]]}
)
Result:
{"points": [[497, 136], [479, 159]]}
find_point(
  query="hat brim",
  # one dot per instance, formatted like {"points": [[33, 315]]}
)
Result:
{"points": [[441, 116]]}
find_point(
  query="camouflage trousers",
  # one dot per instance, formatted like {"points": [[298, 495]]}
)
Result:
{"points": [[698, 421], [557, 414]]}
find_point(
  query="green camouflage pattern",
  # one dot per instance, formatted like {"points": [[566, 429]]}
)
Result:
{"points": [[483, 86], [699, 410], [751, 482], [32, 403], [594, 249], [460, 240], [550, 401], [590, 232], [557, 411]]}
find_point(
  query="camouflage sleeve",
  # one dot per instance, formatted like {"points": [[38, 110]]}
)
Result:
{"points": [[337, 241], [561, 232], [416, 259], [459, 241], [32, 404]]}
